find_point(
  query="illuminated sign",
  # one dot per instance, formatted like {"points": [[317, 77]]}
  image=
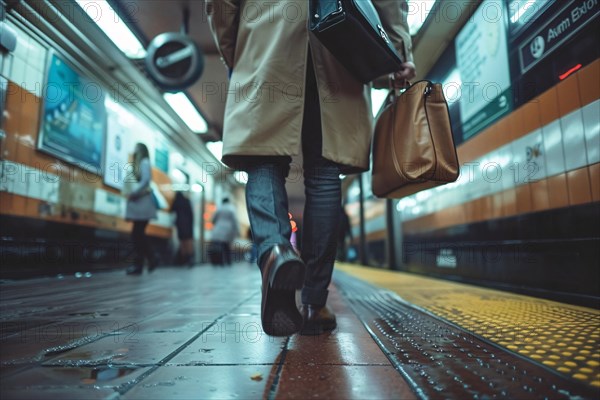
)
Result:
{"points": [[482, 62], [575, 15]]}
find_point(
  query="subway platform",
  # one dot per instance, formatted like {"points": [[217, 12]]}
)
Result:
{"points": [[194, 333]]}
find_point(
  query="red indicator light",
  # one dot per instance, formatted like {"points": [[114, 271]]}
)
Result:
{"points": [[569, 72]]}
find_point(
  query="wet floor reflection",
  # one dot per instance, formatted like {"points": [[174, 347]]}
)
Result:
{"points": [[106, 374], [177, 334]]}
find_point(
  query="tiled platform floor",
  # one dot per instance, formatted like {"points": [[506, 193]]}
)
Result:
{"points": [[176, 334]]}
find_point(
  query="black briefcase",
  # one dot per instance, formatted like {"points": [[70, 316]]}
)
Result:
{"points": [[352, 31]]}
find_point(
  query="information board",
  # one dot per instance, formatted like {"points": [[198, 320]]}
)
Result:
{"points": [[482, 62], [118, 144]]}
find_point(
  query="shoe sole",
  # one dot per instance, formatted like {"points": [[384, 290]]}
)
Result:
{"points": [[281, 317]]}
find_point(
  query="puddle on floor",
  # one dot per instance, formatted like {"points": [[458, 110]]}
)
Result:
{"points": [[101, 375]]}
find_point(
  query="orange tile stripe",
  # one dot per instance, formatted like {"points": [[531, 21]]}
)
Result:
{"points": [[575, 187], [21, 206], [578, 90]]}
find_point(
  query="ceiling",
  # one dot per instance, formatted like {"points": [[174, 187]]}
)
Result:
{"points": [[153, 17]]}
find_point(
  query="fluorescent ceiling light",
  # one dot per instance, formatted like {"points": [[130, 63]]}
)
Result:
{"points": [[418, 11], [216, 148], [113, 26], [182, 105], [521, 11], [378, 97]]}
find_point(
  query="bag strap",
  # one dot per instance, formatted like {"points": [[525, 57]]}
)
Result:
{"points": [[394, 88]]}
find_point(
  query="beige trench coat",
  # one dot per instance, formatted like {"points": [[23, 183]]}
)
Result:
{"points": [[265, 44]]}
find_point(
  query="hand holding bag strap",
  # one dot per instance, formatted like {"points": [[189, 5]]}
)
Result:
{"points": [[396, 87]]}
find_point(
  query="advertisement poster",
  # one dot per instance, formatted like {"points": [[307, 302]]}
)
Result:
{"points": [[118, 145], [161, 156], [73, 120], [482, 61]]}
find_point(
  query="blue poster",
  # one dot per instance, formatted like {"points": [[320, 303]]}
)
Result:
{"points": [[161, 159], [73, 117]]}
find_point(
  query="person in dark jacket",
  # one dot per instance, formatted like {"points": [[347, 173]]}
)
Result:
{"points": [[184, 223]]}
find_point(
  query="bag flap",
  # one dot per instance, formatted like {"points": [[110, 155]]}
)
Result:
{"points": [[323, 13]]}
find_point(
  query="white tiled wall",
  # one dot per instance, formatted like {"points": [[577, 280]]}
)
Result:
{"points": [[568, 143], [25, 66], [573, 140], [555, 155], [502, 156], [30, 182], [590, 114]]}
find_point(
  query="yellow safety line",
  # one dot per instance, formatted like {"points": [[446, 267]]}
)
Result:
{"points": [[561, 336]]}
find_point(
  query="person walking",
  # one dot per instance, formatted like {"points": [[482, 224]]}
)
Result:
{"points": [[225, 229], [184, 222], [288, 95], [140, 209]]}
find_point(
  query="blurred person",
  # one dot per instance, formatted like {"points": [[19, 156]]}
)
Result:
{"points": [[289, 94], [140, 209], [225, 230], [184, 223], [344, 231]]}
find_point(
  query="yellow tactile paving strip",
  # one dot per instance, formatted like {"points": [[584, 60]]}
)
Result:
{"points": [[561, 336]]}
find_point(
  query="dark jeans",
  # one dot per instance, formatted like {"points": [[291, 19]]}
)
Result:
{"points": [[140, 244], [267, 202]]}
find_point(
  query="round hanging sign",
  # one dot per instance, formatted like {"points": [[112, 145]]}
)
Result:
{"points": [[174, 61]]}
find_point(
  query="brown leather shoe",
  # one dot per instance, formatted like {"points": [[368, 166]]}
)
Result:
{"points": [[282, 273], [317, 320]]}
